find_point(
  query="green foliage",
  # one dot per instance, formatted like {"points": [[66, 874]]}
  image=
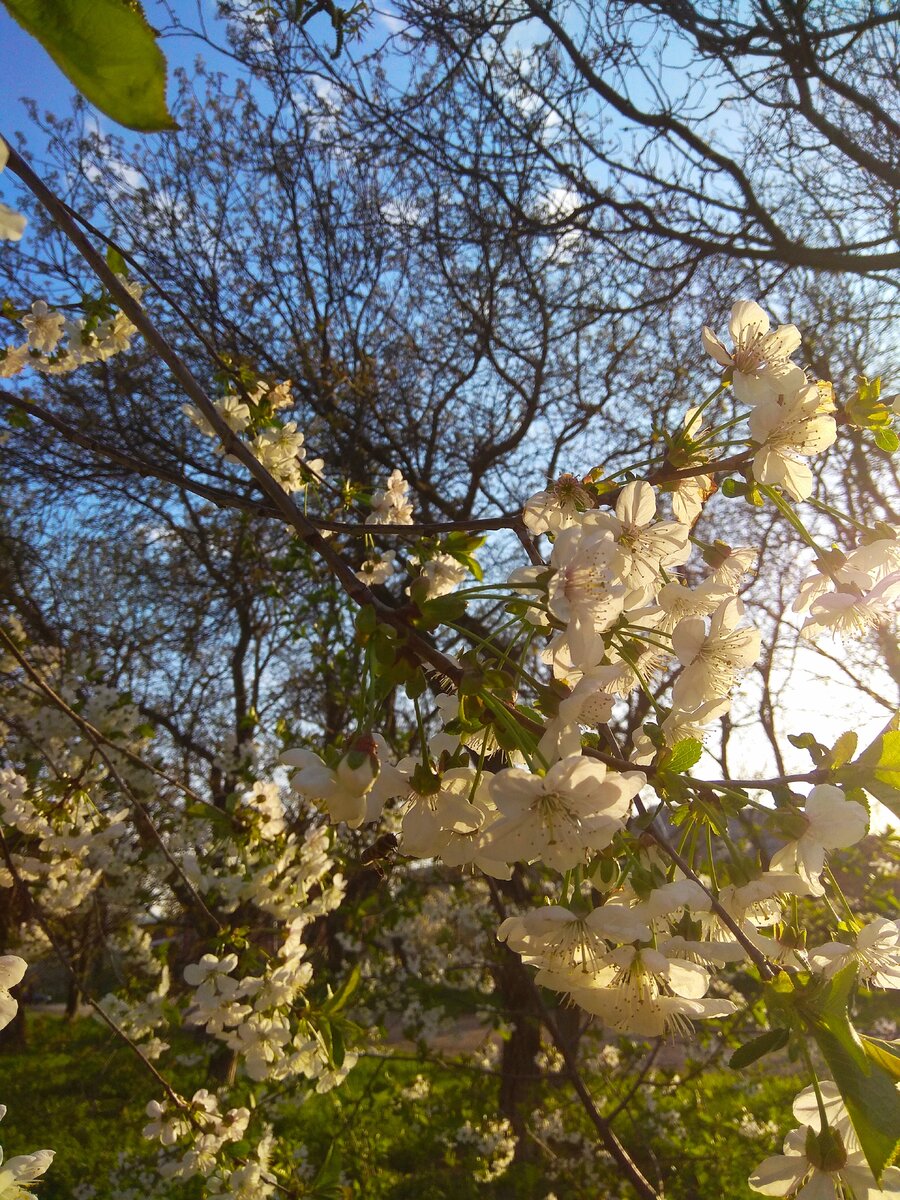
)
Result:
{"points": [[682, 756], [877, 769], [107, 49], [83, 1093], [867, 1089], [732, 488], [772, 1039], [883, 1052], [866, 409]]}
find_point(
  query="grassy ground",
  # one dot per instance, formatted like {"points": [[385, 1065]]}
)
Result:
{"points": [[77, 1090]]}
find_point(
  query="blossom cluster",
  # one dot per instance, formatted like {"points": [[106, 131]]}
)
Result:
{"points": [[822, 1159], [622, 607], [252, 416], [76, 821], [57, 344], [517, 776]]}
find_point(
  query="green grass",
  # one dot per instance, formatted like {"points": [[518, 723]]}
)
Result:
{"points": [[80, 1092]]}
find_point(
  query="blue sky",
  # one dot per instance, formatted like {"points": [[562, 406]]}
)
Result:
{"points": [[27, 71]]}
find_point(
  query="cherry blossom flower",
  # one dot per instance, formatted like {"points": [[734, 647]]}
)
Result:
{"points": [[442, 574], [761, 359], [589, 703], [376, 571], [570, 948], [557, 508], [211, 972], [433, 817], [833, 823], [44, 327], [355, 790], [391, 505], [794, 1174], [560, 817], [806, 1110], [588, 590], [12, 224], [876, 953], [713, 658], [677, 601], [822, 1165], [691, 492], [788, 428], [853, 612], [730, 563], [643, 992], [680, 724], [648, 544], [18, 1175]]}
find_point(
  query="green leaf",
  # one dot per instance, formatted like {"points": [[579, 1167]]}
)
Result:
{"points": [[806, 741], [867, 1089], [682, 756], [107, 49], [774, 1039], [885, 1053], [878, 770], [887, 440], [115, 261], [341, 997], [843, 749]]}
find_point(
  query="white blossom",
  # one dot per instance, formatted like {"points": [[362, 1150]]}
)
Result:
{"points": [[761, 359], [713, 658], [833, 823]]}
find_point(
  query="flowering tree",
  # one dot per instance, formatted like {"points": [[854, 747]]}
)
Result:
{"points": [[626, 891]]}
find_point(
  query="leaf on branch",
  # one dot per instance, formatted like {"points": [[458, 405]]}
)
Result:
{"points": [[877, 769], [683, 755], [843, 749], [867, 1089], [107, 49], [773, 1039], [887, 440]]}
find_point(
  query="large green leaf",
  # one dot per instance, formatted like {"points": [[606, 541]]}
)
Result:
{"points": [[867, 1089], [877, 769], [108, 51]]}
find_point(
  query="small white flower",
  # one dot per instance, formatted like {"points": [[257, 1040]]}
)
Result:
{"points": [[834, 822], [588, 590], [788, 428], [853, 612], [648, 544], [712, 659], [761, 360], [391, 505], [19, 1174], [876, 952], [12, 224], [561, 817], [557, 508], [645, 993], [44, 327]]}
